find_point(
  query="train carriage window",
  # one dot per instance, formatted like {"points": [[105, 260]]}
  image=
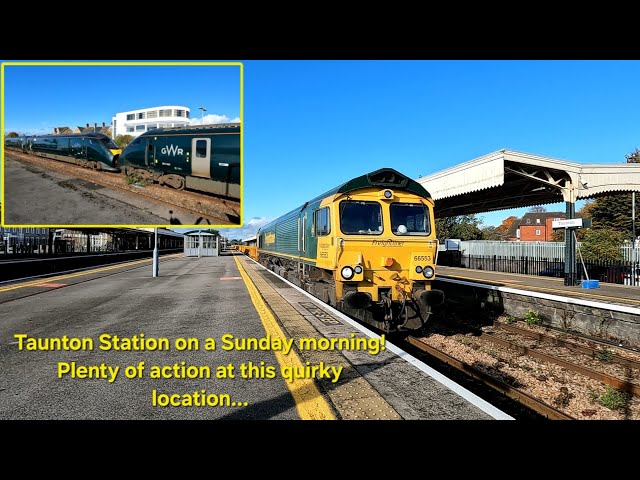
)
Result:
{"points": [[321, 223], [409, 219], [201, 148], [360, 218]]}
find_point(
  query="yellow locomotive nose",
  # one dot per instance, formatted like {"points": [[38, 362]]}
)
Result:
{"points": [[115, 151]]}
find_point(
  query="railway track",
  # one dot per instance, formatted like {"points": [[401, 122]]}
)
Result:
{"points": [[576, 355], [502, 387], [216, 209]]}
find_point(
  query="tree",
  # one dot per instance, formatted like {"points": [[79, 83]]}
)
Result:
{"points": [[506, 224], [123, 140], [11, 135], [602, 244], [492, 233], [537, 209], [464, 227], [613, 211]]}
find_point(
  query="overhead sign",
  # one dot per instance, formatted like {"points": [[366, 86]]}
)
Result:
{"points": [[573, 222]]}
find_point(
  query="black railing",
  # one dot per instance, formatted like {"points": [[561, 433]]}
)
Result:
{"points": [[609, 271]]}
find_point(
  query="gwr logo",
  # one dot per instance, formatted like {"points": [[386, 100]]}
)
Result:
{"points": [[171, 150]]}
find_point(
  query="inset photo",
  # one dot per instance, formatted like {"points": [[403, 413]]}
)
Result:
{"points": [[122, 143]]}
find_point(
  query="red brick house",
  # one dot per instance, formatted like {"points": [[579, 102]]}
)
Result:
{"points": [[536, 226]]}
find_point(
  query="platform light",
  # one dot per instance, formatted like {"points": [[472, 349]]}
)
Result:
{"points": [[428, 272], [347, 272]]}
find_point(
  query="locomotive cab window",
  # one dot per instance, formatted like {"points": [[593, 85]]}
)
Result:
{"points": [[109, 143], [360, 218], [321, 223], [409, 219]]}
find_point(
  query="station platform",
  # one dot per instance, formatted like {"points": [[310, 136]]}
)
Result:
{"points": [[607, 292], [202, 298]]}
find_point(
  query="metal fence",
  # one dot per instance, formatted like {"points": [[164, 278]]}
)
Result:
{"points": [[536, 250], [621, 272]]}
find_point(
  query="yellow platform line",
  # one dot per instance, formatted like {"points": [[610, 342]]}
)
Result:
{"points": [[310, 403], [42, 281]]}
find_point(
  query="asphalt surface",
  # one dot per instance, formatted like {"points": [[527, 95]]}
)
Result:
{"points": [[35, 196], [191, 298]]}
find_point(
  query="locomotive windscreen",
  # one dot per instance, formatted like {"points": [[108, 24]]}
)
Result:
{"points": [[409, 219], [360, 218]]}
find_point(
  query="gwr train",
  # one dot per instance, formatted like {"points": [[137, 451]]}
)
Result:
{"points": [[203, 158], [94, 150], [366, 247]]}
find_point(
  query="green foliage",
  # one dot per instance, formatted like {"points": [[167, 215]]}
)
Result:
{"points": [[602, 244], [604, 355], [492, 233], [537, 209], [211, 230], [532, 318], [464, 227], [11, 135], [612, 399], [123, 140], [509, 319]]}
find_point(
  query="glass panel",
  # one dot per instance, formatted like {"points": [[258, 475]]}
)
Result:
{"points": [[201, 148], [360, 218], [322, 222], [409, 219], [131, 116]]}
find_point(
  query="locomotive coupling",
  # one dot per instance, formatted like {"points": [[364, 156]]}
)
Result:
{"points": [[431, 298], [357, 300]]}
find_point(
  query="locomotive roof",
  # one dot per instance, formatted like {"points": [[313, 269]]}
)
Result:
{"points": [[383, 178], [51, 135], [193, 129]]}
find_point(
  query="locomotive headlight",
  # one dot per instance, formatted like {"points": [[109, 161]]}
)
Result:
{"points": [[347, 273], [418, 269], [358, 269], [388, 194], [428, 272]]}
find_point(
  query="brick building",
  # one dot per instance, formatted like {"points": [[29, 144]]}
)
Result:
{"points": [[536, 226]]}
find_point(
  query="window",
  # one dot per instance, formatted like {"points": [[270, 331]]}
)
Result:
{"points": [[321, 223], [537, 220], [179, 113], [409, 219], [131, 116], [187, 113], [114, 125], [528, 221], [165, 113], [152, 126], [152, 114], [538, 232], [130, 129], [139, 128], [201, 149], [360, 218], [136, 141], [140, 116]]}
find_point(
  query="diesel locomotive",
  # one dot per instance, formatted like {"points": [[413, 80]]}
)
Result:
{"points": [[367, 247], [93, 150], [203, 158]]}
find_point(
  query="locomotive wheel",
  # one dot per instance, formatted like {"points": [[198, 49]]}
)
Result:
{"points": [[175, 181]]}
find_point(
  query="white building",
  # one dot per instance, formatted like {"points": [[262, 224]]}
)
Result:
{"points": [[137, 122]]}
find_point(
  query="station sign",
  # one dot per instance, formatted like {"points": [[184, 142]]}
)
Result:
{"points": [[571, 223]]}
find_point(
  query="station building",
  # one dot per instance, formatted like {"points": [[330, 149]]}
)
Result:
{"points": [[136, 122]]}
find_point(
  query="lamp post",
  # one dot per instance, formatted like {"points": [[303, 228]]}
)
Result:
{"points": [[202, 112]]}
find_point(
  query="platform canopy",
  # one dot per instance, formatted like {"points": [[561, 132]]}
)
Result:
{"points": [[506, 179]]}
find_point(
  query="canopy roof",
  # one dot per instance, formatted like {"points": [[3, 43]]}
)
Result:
{"points": [[508, 179]]}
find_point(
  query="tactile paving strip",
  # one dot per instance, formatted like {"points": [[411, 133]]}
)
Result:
{"points": [[352, 396]]}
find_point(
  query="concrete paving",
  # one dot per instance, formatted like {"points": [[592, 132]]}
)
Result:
{"points": [[191, 298]]}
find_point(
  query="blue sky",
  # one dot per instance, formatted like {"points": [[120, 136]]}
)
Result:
{"points": [[311, 125], [40, 98]]}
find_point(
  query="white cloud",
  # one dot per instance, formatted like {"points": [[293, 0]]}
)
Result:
{"points": [[248, 229], [213, 119]]}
